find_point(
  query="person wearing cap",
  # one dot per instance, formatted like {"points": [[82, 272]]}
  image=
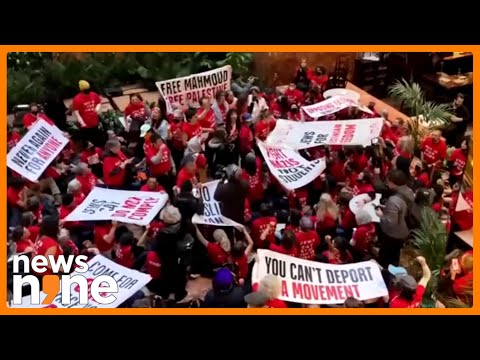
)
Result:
{"points": [[86, 107], [245, 137], [405, 292], [30, 118], [160, 162], [224, 292], [256, 299], [256, 102], [307, 239]]}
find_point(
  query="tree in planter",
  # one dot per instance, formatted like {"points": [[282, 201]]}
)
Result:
{"points": [[430, 240], [421, 110]]}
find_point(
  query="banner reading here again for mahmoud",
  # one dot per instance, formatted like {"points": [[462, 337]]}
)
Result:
{"points": [[303, 135], [310, 282], [36, 150], [212, 214], [190, 89], [131, 207], [289, 167]]}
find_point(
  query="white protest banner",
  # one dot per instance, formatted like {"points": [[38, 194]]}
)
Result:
{"points": [[363, 201], [289, 168], [331, 106], [190, 89], [128, 281], [464, 202], [212, 214], [311, 282], [303, 135], [36, 150], [131, 207]]}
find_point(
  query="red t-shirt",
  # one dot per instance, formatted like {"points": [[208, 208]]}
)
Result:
{"points": [[262, 129], [51, 172], [223, 110], [184, 175], [462, 283], [258, 227], [13, 138], [85, 105], [294, 96], [176, 129], [459, 159], [424, 178], [336, 169], [433, 152], [110, 163], [23, 245], [307, 242], [361, 162], [78, 198], [216, 254], [91, 156], [241, 265], [192, 130], [363, 237], [153, 265], [348, 220], [246, 139], [13, 196], [34, 230], [164, 166], [280, 249], [99, 232], [274, 303], [298, 198], [397, 302], [124, 256], [208, 121], [255, 183], [63, 213], [72, 246], [275, 109], [361, 188], [295, 229], [29, 119], [157, 188], [41, 247], [135, 110], [327, 223], [88, 182]]}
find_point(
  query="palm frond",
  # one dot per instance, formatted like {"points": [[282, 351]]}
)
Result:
{"points": [[437, 114]]}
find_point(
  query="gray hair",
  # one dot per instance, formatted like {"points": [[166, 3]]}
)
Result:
{"points": [[271, 285], [170, 215], [363, 217], [74, 186]]}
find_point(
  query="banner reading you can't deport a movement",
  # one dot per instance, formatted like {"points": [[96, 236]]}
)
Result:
{"points": [[310, 282], [190, 89]]}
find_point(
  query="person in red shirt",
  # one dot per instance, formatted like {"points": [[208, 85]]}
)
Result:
{"points": [[434, 149], [93, 156], [359, 158], [114, 164], [136, 108], [364, 185], [124, 255], [13, 137], [271, 286], [406, 293], [160, 162], [307, 239], [29, 119], [279, 107], [462, 276], [458, 160], [191, 127], [21, 238], [253, 174], [152, 185], [68, 205], [364, 236], [337, 253], [86, 178], [263, 228], [298, 198], [294, 114], [294, 95], [66, 242], [206, 115], [262, 128], [294, 220], [47, 243], [86, 107], [246, 140], [220, 107], [347, 219], [239, 257], [320, 77], [16, 200], [27, 222], [75, 188], [327, 216], [288, 245], [419, 171], [188, 172], [218, 251], [104, 237]]}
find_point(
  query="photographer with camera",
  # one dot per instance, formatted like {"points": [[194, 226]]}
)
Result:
{"points": [[231, 193]]}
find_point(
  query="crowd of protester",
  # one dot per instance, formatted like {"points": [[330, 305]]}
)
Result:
{"points": [[176, 153]]}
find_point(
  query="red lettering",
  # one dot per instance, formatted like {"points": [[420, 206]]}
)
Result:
{"points": [[297, 290], [284, 288], [332, 291]]}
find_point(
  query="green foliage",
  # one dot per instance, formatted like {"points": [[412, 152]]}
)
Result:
{"points": [[109, 120], [431, 241], [36, 76]]}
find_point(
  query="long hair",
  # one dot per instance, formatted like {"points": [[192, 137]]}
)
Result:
{"points": [[228, 123], [326, 205]]}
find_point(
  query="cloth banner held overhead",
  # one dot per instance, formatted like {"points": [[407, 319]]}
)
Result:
{"points": [[303, 135], [332, 105], [128, 281], [36, 150], [131, 207], [289, 167], [190, 89], [212, 214], [311, 282], [465, 201]]}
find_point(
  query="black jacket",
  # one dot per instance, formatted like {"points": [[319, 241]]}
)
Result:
{"points": [[231, 196]]}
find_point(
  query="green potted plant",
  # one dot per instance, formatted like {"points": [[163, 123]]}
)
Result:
{"points": [[425, 114]]}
